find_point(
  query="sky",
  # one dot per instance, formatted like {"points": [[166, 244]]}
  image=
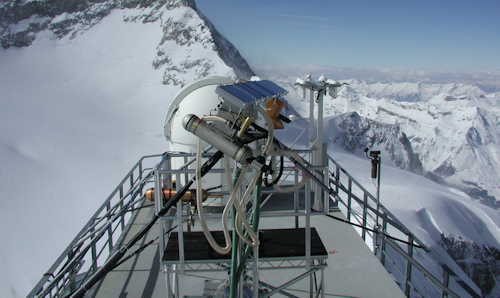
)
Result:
{"points": [[448, 35]]}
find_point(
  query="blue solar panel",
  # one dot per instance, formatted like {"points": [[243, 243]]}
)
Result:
{"points": [[271, 87], [250, 92]]}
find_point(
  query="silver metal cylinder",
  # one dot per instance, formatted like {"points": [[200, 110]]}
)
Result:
{"points": [[241, 153]]}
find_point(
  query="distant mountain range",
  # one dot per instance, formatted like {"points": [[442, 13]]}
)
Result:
{"points": [[449, 133]]}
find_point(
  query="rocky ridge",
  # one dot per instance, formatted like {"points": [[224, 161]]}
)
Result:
{"points": [[21, 22], [449, 133], [452, 138]]}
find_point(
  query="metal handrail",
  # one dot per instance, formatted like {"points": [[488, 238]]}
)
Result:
{"points": [[61, 276], [381, 240]]}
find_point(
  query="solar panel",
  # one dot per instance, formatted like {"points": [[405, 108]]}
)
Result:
{"points": [[250, 93]]}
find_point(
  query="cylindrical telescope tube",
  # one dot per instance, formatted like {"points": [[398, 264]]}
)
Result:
{"points": [[241, 153]]}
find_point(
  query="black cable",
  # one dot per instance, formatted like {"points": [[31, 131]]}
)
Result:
{"points": [[112, 260], [215, 187], [138, 251], [259, 128], [280, 173], [374, 231]]}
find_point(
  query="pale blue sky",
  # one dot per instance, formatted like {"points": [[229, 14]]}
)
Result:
{"points": [[450, 35]]}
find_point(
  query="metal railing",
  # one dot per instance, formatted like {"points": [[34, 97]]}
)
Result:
{"points": [[398, 249], [102, 234], [180, 217]]}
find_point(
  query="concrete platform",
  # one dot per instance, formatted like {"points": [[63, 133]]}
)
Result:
{"points": [[352, 269]]}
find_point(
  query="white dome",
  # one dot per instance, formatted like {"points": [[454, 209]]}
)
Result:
{"points": [[198, 98]]}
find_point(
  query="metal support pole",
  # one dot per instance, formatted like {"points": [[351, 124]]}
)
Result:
{"points": [[110, 230], [383, 245], [365, 211], [296, 200], [319, 135], [377, 226], [379, 161], [337, 179], [349, 198], [311, 122], [256, 272], [180, 232], [318, 153], [167, 280], [308, 224], [446, 282], [94, 254], [408, 267], [322, 287], [175, 278], [122, 218]]}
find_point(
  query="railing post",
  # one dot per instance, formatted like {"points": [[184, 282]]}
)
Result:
{"points": [[383, 244], [337, 178], [349, 198], [94, 253], [296, 200], [110, 229], [72, 283], [408, 266], [131, 179], [140, 169], [446, 282], [122, 219], [365, 211]]}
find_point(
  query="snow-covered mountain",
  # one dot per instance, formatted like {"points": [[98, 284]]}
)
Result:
{"points": [[449, 133], [408, 91], [25, 22]]}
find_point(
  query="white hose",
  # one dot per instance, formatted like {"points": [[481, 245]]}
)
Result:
{"points": [[199, 203], [240, 217], [240, 214], [270, 131]]}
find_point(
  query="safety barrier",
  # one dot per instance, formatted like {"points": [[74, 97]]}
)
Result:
{"points": [[102, 234], [398, 249]]}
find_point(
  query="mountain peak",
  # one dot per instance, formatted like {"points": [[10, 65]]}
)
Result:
{"points": [[22, 22]]}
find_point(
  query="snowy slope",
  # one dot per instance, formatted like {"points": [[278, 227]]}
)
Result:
{"points": [[447, 132], [431, 210], [453, 129], [455, 137], [78, 112]]}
